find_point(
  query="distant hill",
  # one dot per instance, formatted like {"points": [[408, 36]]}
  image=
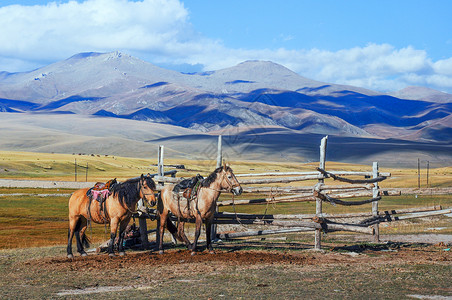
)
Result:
{"points": [[251, 95], [424, 94]]}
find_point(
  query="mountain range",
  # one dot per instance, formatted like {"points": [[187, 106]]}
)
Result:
{"points": [[254, 97]]}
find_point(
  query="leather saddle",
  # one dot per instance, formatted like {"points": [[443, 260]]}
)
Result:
{"points": [[188, 188]]}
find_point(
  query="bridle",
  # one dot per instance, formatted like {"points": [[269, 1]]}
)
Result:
{"points": [[230, 185], [143, 193]]}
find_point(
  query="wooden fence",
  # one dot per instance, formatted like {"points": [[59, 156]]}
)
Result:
{"points": [[319, 192]]}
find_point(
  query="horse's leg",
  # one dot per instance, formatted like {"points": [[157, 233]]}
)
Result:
{"points": [[163, 220], [83, 237], [197, 233], [181, 234], [80, 235], [173, 229], [208, 235], [122, 228], [113, 228], [73, 221]]}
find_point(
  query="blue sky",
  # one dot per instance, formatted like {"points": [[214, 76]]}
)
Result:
{"points": [[382, 45]]}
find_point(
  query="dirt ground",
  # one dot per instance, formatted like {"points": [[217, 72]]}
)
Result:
{"points": [[247, 270]]}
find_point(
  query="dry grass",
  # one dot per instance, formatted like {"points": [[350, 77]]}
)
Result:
{"points": [[29, 221]]}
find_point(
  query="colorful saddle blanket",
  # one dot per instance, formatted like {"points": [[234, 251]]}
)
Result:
{"points": [[100, 191]]}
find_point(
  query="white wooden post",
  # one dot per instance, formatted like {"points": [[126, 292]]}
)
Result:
{"points": [[213, 232], [219, 152], [375, 192], [160, 172], [318, 201]]}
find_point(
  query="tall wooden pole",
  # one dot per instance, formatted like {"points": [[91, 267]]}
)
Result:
{"points": [[219, 152], [318, 201], [160, 172], [213, 232], [375, 194]]}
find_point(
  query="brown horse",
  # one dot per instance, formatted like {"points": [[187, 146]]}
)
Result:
{"points": [[201, 208], [116, 210]]}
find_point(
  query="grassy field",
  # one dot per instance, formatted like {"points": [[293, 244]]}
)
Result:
{"points": [[33, 220], [33, 234]]}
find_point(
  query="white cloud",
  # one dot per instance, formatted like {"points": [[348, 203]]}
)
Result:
{"points": [[56, 31], [159, 31]]}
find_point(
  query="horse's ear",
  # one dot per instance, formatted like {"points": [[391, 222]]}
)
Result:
{"points": [[225, 165], [150, 176], [142, 176]]}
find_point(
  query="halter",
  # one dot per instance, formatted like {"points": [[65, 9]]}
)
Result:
{"points": [[143, 193], [228, 189]]}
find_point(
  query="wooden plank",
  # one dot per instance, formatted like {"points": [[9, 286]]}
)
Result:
{"points": [[312, 225], [306, 189], [291, 198], [280, 179], [230, 215], [338, 173], [232, 235], [296, 198], [419, 215], [335, 177]]}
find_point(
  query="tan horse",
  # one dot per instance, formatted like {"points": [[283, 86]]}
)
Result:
{"points": [[202, 208], [117, 211]]}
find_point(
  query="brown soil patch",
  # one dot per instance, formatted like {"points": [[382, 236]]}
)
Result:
{"points": [[395, 253]]}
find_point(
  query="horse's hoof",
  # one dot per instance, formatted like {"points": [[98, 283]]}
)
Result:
{"points": [[122, 253], [111, 254], [193, 253], [83, 254], [161, 252], [212, 252], [70, 256]]}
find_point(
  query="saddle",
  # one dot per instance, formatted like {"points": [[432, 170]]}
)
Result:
{"points": [[100, 191], [188, 188]]}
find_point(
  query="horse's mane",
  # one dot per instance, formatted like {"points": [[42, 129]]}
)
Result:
{"points": [[213, 176], [129, 191]]}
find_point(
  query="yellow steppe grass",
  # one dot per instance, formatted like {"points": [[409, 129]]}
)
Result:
{"points": [[53, 166]]}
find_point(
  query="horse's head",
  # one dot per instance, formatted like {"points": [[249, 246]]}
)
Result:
{"points": [[147, 188], [230, 182]]}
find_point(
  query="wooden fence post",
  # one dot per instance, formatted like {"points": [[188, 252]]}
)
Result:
{"points": [[160, 172], [318, 201], [219, 152], [213, 232], [143, 232], [375, 194]]}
